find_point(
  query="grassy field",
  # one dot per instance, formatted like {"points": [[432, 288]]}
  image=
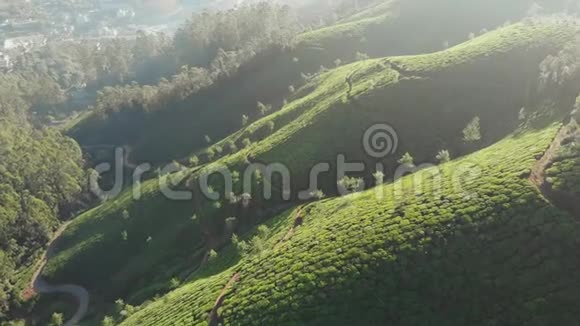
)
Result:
{"points": [[428, 251], [93, 253]]}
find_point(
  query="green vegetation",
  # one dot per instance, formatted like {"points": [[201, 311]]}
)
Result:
{"points": [[472, 132], [476, 240], [96, 232], [375, 260], [443, 156], [406, 160], [322, 105], [564, 174], [193, 109], [353, 27], [40, 183]]}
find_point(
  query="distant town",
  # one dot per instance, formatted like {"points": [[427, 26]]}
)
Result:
{"points": [[28, 24]]}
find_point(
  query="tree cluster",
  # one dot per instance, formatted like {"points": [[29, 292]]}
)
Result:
{"points": [[41, 177]]}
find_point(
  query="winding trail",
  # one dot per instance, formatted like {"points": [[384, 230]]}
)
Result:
{"points": [[40, 286], [562, 200], [298, 221], [213, 317]]}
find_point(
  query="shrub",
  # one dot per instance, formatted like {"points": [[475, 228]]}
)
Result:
{"points": [[443, 156], [57, 319], [318, 194], [407, 160], [108, 321], [174, 283], [241, 246], [472, 131], [350, 184], [212, 255], [210, 154], [119, 306], [379, 178], [193, 161], [263, 109], [359, 56], [263, 230]]}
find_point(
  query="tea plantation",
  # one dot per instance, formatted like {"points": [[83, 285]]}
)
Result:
{"points": [[108, 249], [470, 242]]}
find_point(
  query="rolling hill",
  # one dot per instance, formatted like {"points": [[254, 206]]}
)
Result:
{"points": [[412, 93], [375, 31], [372, 162], [493, 251]]}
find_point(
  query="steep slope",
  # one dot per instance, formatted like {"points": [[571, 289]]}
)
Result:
{"points": [[484, 250], [410, 93], [377, 31]]}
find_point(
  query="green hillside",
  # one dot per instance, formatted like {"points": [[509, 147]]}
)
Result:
{"points": [[375, 31], [383, 90], [345, 162], [493, 251]]}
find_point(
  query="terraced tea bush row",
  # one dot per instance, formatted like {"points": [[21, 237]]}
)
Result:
{"points": [[379, 90], [411, 257]]}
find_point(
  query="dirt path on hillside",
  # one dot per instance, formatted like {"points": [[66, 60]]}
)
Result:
{"points": [[213, 318], [40, 286], [562, 200], [298, 220]]}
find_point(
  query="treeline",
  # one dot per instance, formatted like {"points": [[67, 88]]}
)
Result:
{"points": [[41, 178], [217, 42], [252, 27], [66, 68], [208, 48]]}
